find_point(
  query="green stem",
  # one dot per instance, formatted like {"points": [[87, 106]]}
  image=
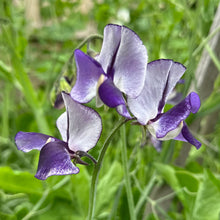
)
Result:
{"points": [[38, 205], [145, 194], [96, 171], [89, 38], [126, 175], [45, 195]]}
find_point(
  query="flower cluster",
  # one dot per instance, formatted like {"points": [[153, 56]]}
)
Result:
{"points": [[119, 77]]}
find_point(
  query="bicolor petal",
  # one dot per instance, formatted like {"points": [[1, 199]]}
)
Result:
{"points": [[55, 160], [84, 125], [130, 64], [27, 141], [186, 136], [168, 125], [123, 111], [110, 45], [124, 58], [88, 73], [162, 76]]}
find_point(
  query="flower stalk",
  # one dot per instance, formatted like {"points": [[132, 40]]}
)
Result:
{"points": [[96, 171], [126, 175]]}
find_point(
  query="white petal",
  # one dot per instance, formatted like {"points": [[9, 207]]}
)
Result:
{"points": [[84, 125], [161, 78], [62, 126]]}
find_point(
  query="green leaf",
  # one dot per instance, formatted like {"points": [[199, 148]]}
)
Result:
{"points": [[80, 184], [7, 216], [107, 188], [188, 180], [207, 205], [19, 182], [5, 72], [168, 173], [182, 182]]}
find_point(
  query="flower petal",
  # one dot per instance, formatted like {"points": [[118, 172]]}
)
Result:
{"points": [[174, 73], [112, 97], [130, 64], [27, 141], [111, 42], [124, 57], [55, 160], [171, 120], [88, 73], [123, 111], [62, 126], [84, 125], [161, 78], [186, 136]]}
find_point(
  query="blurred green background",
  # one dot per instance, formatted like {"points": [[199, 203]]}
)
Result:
{"points": [[37, 39]]}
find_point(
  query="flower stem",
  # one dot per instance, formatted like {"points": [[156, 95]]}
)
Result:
{"points": [[126, 175], [96, 171], [145, 193], [89, 38]]}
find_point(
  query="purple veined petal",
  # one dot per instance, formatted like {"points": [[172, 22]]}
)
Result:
{"points": [[162, 76], [130, 64], [88, 73], [84, 125], [111, 41], [186, 136], [27, 141], [169, 124], [124, 57], [175, 72], [55, 160], [62, 126]]}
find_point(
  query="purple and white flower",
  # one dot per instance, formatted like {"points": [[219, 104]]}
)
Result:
{"points": [[80, 128], [162, 76], [118, 70]]}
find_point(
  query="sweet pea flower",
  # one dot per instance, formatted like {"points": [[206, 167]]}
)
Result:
{"points": [[118, 70], [80, 128], [162, 76]]}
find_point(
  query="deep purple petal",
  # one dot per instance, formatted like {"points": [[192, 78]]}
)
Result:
{"points": [[84, 125], [88, 73], [110, 95], [171, 120], [194, 102], [124, 57], [161, 78], [55, 160], [27, 141], [186, 136]]}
